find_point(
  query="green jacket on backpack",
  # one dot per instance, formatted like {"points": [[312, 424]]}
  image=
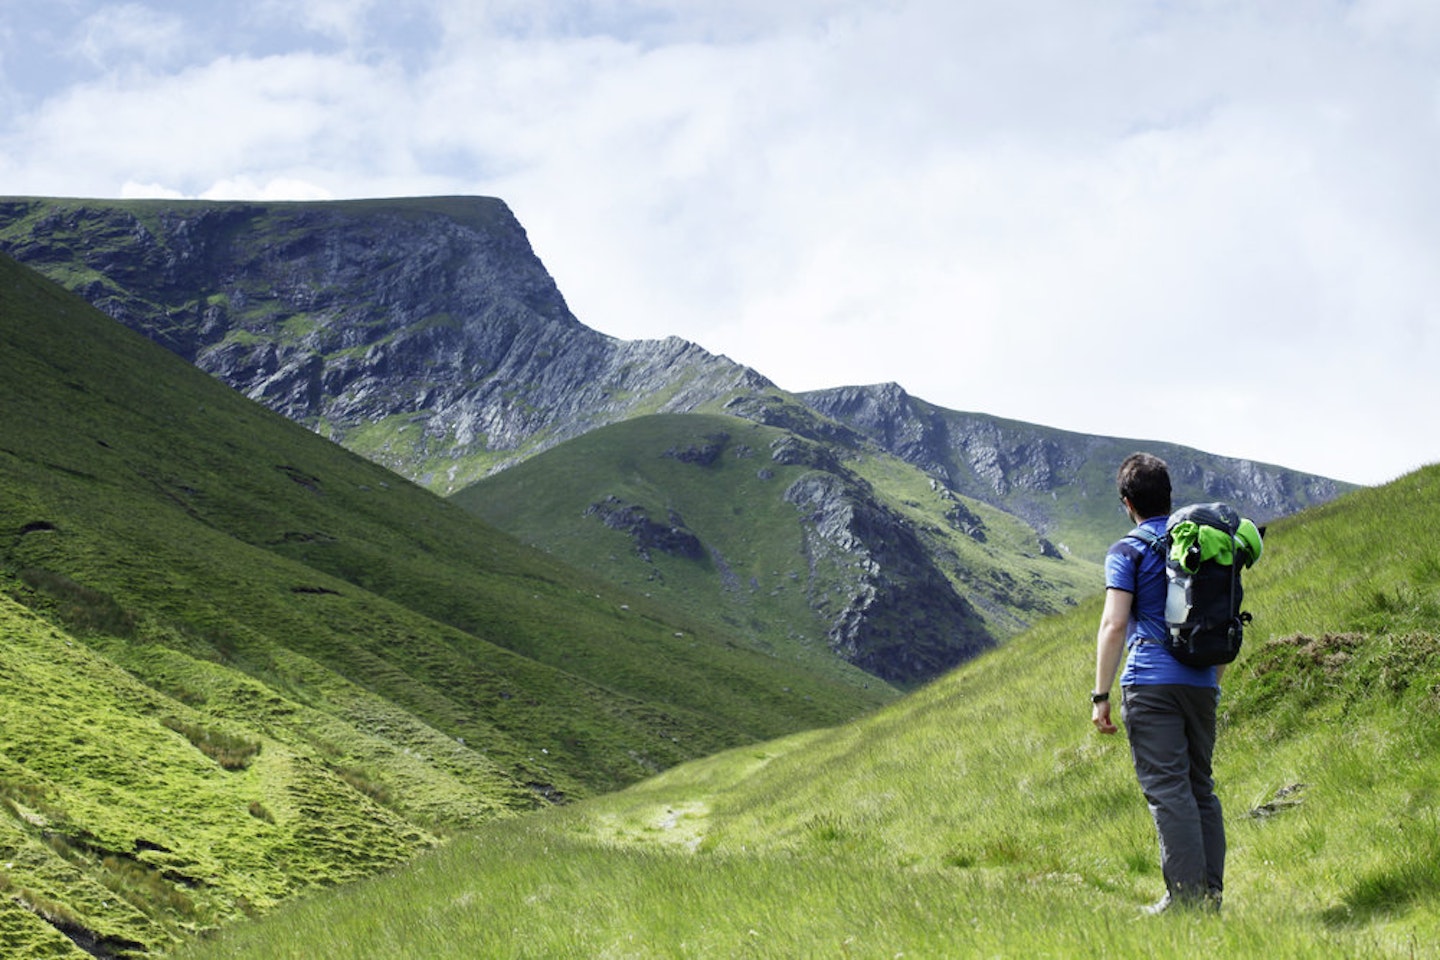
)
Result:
{"points": [[1191, 544]]}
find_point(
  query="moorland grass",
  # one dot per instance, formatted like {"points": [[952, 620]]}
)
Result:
{"points": [[238, 662], [983, 816], [761, 576]]}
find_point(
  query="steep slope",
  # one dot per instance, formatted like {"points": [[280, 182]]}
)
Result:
{"points": [[983, 815], [423, 333], [809, 549], [1060, 482], [237, 661]]}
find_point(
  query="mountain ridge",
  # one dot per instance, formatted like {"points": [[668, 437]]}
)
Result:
{"points": [[425, 334], [1046, 475]]}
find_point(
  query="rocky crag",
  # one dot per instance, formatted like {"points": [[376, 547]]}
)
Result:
{"points": [[424, 334], [898, 617], [1061, 483]]}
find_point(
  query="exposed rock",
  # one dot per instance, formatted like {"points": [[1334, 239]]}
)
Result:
{"points": [[1046, 476], [672, 538], [896, 615], [967, 521], [429, 319], [776, 410], [700, 454], [792, 451], [1286, 798]]}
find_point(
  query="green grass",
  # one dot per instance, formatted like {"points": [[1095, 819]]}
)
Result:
{"points": [[983, 816], [238, 662], [752, 579], [761, 577]]}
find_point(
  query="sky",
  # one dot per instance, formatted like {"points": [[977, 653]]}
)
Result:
{"points": [[1213, 223]]}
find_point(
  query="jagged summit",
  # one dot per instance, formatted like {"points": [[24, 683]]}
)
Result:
{"points": [[425, 334], [422, 332]]}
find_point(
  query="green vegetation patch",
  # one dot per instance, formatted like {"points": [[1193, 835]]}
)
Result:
{"points": [[983, 815], [238, 663], [693, 509]]}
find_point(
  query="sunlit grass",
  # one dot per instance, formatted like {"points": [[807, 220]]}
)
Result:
{"points": [[983, 816], [238, 662]]}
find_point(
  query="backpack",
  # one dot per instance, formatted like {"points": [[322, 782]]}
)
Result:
{"points": [[1205, 547]]}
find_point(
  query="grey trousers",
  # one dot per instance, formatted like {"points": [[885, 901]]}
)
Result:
{"points": [[1171, 729]]}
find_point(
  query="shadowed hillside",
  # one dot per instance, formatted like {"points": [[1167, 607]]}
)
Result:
{"points": [[814, 550], [237, 661]]}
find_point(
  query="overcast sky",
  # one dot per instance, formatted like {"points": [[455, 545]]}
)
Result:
{"points": [[1212, 223]]}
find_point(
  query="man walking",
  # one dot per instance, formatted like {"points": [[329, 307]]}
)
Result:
{"points": [[1169, 708]]}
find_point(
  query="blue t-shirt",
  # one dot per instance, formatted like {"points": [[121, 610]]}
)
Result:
{"points": [[1139, 570]]}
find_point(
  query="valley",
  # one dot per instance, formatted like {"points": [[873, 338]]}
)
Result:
{"points": [[332, 544]]}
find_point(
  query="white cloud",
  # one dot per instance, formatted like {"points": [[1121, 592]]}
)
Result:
{"points": [[123, 34], [279, 188], [1006, 208], [131, 190], [231, 118]]}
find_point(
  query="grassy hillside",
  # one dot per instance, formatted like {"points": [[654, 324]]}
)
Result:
{"points": [[983, 816], [745, 563], [749, 571], [237, 661]]}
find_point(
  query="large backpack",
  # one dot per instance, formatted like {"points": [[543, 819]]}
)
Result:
{"points": [[1206, 545]]}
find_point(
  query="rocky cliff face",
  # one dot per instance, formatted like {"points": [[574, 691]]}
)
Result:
{"points": [[895, 615], [1060, 482], [425, 333]]}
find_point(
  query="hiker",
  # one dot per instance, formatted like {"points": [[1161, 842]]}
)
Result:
{"points": [[1168, 707]]}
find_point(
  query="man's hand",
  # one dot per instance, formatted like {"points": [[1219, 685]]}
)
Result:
{"points": [[1100, 716]]}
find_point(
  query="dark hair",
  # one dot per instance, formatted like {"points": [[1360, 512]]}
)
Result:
{"points": [[1144, 480]]}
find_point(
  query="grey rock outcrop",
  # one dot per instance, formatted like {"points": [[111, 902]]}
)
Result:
{"points": [[424, 332], [673, 537], [1057, 481], [895, 615]]}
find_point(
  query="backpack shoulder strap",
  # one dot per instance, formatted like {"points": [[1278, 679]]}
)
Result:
{"points": [[1147, 538], [1148, 541]]}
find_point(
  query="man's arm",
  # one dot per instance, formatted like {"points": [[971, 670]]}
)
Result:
{"points": [[1109, 651]]}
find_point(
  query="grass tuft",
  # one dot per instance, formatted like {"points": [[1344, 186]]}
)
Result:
{"points": [[233, 751]]}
